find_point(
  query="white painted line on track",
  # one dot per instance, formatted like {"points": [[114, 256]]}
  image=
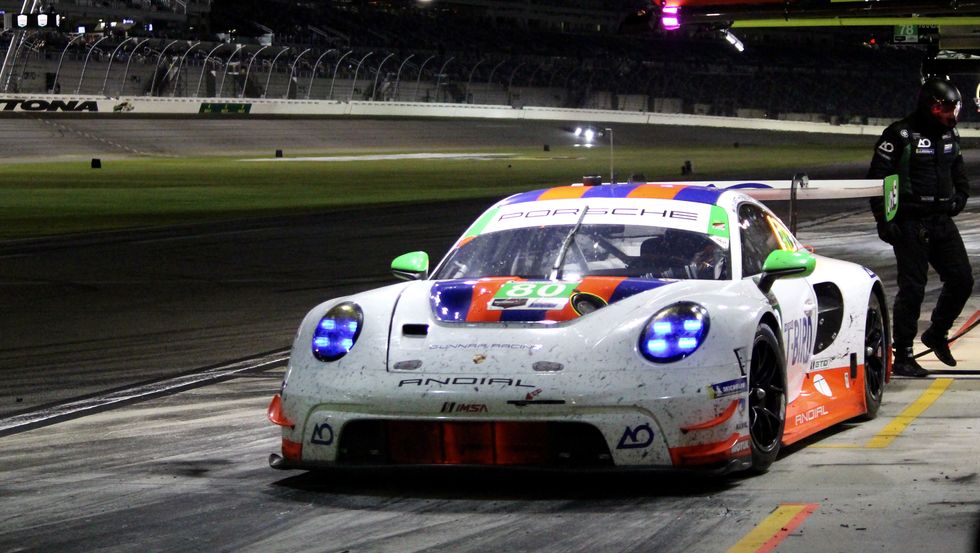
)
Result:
{"points": [[389, 157], [80, 407]]}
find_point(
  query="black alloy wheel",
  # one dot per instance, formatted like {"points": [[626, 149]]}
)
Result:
{"points": [[877, 343], [767, 398]]}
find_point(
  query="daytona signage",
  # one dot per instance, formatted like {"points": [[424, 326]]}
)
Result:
{"points": [[49, 106]]}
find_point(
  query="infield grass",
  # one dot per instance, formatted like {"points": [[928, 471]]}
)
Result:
{"points": [[38, 199]]}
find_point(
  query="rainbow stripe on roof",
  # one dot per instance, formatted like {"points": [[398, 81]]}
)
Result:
{"points": [[681, 192]]}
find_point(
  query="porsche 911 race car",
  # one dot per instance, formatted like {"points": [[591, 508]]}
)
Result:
{"points": [[637, 326]]}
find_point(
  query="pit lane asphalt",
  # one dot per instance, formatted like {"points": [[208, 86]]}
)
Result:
{"points": [[188, 471]]}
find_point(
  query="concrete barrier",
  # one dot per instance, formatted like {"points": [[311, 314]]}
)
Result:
{"points": [[145, 105]]}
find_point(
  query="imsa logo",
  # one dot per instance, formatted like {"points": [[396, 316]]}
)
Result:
{"points": [[72, 106]]}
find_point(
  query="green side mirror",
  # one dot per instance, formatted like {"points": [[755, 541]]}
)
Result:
{"points": [[782, 264], [411, 266]]}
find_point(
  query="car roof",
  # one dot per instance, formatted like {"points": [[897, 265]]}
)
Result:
{"points": [[663, 191]]}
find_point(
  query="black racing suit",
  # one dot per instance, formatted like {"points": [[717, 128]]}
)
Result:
{"points": [[933, 188]]}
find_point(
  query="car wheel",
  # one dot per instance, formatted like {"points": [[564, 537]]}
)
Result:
{"points": [[876, 347], [767, 398]]}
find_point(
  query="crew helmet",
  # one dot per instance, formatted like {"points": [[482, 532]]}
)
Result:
{"points": [[940, 100]]}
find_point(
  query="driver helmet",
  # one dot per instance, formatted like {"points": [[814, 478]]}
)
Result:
{"points": [[941, 101]]}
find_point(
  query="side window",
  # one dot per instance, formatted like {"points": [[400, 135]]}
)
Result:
{"points": [[758, 238]]}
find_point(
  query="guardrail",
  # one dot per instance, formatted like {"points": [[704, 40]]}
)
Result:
{"points": [[145, 105]]}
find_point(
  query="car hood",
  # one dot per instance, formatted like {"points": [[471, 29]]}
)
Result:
{"points": [[505, 299], [447, 326]]}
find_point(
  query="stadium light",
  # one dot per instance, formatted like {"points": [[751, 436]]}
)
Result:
{"points": [[670, 18]]}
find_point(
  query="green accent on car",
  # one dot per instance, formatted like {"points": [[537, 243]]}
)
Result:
{"points": [[477, 227], [412, 262], [782, 261], [718, 222], [534, 290], [891, 196]]}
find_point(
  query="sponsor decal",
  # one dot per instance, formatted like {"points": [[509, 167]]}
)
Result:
{"points": [[743, 445], [322, 434], [811, 415], [532, 295], [616, 211], [224, 107], [50, 106], [820, 364], [947, 148], [453, 407], [465, 381], [636, 438], [729, 388], [904, 133], [924, 143], [886, 147], [799, 340], [447, 347], [822, 386]]}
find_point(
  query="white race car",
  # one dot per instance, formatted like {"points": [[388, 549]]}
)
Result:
{"points": [[637, 326]]}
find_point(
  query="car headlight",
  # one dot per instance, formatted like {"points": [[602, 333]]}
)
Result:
{"points": [[674, 332], [337, 331]]}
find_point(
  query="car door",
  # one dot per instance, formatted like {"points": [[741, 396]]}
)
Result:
{"points": [[793, 298]]}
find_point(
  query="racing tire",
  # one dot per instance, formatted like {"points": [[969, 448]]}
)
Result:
{"points": [[767, 398], [877, 344]]}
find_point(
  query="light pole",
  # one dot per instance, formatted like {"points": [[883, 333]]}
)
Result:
{"points": [[335, 68], [292, 70], [112, 58], [490, 78], [204, 67], [470, 80], [156, 68], [85, 65], [442, 72], [180, 66], [419, 79], [272, 67], [221, 87], [122, 88], [612, 177], [353, 83], [249, 69], [378, 74], [54, 85], [313, 74], [398, 76]]}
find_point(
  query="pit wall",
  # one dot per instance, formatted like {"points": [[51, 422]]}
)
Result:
{"points": [[144, 105]]}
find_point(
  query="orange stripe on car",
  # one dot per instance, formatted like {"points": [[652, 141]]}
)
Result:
{"points": [[666, 192], [727, 414], [563, 193]]}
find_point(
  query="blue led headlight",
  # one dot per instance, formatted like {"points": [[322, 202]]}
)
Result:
{"points": [[337, 331], [674, 332]]}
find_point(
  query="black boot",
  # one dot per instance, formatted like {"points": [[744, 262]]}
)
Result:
{"points": [[937, 342], [906, 365]]}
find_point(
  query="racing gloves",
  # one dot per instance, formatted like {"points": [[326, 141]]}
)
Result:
{"points": [[889, 232], [956, 205]]}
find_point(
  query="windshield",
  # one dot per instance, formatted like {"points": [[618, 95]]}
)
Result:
{"points": [[594, 250]]}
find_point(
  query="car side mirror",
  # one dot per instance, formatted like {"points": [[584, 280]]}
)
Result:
{"points": [[782, 264], [411, 266]]}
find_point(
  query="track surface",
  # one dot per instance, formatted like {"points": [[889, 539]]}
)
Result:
{"points": [[187, 471]]}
